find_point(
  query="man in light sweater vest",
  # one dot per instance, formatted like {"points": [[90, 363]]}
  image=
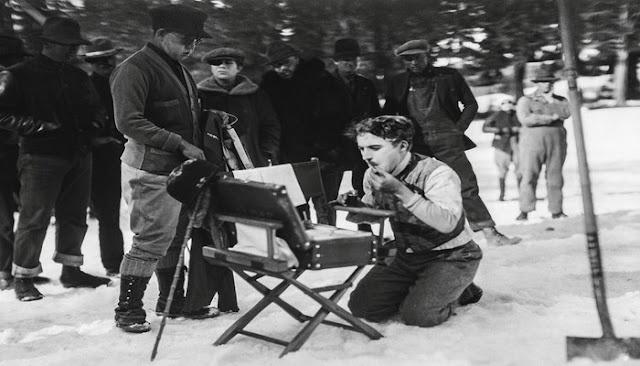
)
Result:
{"points": [[437, 259]]}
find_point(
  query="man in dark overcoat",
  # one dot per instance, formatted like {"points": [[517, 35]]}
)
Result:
{"points": [[312, 108]]}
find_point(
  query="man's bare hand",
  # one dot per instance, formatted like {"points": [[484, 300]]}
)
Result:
{"points": [[385, 182], [190, 151]]}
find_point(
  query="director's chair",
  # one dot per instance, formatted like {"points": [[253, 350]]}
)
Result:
{"points": [[316, 247]]}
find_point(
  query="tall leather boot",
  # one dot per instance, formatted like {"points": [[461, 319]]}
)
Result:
{"points": [[165, 279], [502, 188], [130, 316]]}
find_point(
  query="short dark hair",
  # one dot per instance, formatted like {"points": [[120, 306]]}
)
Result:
{"points": [[395, 128]]}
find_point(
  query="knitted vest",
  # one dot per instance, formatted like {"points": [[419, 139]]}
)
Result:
{"points": [[410, 232]]}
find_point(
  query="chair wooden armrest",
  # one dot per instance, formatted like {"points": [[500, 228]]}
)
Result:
{"points": [[270, 227]]}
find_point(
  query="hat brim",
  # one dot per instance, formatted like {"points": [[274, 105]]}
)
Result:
{"points": [[69, 42], [346, 55], [411, 52], [544, 80], [100, 54]]}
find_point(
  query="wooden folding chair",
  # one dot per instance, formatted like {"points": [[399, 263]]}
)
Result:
{"points": [[316, 247]]}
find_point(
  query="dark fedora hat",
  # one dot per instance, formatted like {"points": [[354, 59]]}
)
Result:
{"points": [[278, 50], [224, 53], [100, 47], [188, 179], [544, 75], [181, 19], [62, 31], [346, 48], [11, 46]]}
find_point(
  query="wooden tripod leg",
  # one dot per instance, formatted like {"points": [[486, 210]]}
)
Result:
{"points": [[252, 313]]}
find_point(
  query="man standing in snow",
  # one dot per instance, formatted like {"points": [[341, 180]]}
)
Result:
{"points": [[54, 164], [505, 126], [543, 141], [156, 107], [363, 103], [430, 96], [106, 191], [437, 259], [313, 110]]}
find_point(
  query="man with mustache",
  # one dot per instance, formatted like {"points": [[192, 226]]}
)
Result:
{"points": [[156, 108], [437, 259]]}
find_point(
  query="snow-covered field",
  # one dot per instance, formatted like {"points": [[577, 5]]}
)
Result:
{"points": [[535, 294]]}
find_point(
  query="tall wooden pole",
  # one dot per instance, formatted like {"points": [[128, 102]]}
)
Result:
{"points": [[566, 28]]}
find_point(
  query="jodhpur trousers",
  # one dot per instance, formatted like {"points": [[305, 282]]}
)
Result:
{"points": [[542, 146]]}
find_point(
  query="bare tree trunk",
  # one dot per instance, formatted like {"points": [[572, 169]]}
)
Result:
{"points": [[620, 77], [519, 69], [622, 56]]}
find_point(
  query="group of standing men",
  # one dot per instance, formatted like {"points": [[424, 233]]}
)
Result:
{"points": [[531, 135], [66, 120]]}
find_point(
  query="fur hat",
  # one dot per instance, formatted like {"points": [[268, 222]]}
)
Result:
{"points": [[346, 48], [100, 47], [179, 18], [413, 47], [224, 53], [278, 50], [62, 30], [544, 75], [188, 179]]}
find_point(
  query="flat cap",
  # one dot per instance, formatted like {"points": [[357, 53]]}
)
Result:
{"points": [[278, 50], [224, 53], [179, 18], [413, 47]]}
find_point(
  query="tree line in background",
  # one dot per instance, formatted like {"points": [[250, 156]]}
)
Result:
{"points": [[482, 37]]}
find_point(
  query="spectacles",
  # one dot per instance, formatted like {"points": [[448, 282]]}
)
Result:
{"points": [[188, 40], [220, 62]]}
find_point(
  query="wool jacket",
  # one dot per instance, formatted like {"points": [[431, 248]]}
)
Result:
{"points": [[154, 111], [257, 125], [504, 125], [43, 90], [313, 109], [432, 219]]}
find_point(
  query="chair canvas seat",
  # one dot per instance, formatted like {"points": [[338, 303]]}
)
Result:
{"points": [[317, 247]]}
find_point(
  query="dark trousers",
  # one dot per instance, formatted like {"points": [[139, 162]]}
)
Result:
{"points": [[331, 175], [205, 280], [9, 186], [448, 147], [424, 288], [106, 192], [49, 182]]}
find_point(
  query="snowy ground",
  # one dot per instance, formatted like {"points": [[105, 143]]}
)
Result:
{"points": [[536, 293]]}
